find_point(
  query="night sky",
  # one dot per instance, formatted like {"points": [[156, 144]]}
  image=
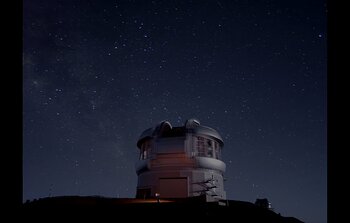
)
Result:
{"points": [[98, 73]]}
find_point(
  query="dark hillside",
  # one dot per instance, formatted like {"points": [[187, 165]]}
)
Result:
{"points": [[128, 208]]}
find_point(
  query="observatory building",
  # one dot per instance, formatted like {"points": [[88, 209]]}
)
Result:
{"points": [[180, 162]]}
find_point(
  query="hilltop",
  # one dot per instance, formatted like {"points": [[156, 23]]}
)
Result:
{"points": [[129, 208]]}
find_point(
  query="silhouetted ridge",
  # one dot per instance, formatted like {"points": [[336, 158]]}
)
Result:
{"points": [[238, 211]]}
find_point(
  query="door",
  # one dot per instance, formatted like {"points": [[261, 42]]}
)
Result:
{"points": [[143, 193]]}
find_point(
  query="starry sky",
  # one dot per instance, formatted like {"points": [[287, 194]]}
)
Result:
{"points": [[98, 73]]}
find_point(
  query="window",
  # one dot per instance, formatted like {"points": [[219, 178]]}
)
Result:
{"points": [[207, 147], [217, 151], [141, 154], [200, 146], [210, 150], [145, 150], [144, 154]]}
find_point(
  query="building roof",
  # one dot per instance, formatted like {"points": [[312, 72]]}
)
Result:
{"points": [[165, 129]]}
